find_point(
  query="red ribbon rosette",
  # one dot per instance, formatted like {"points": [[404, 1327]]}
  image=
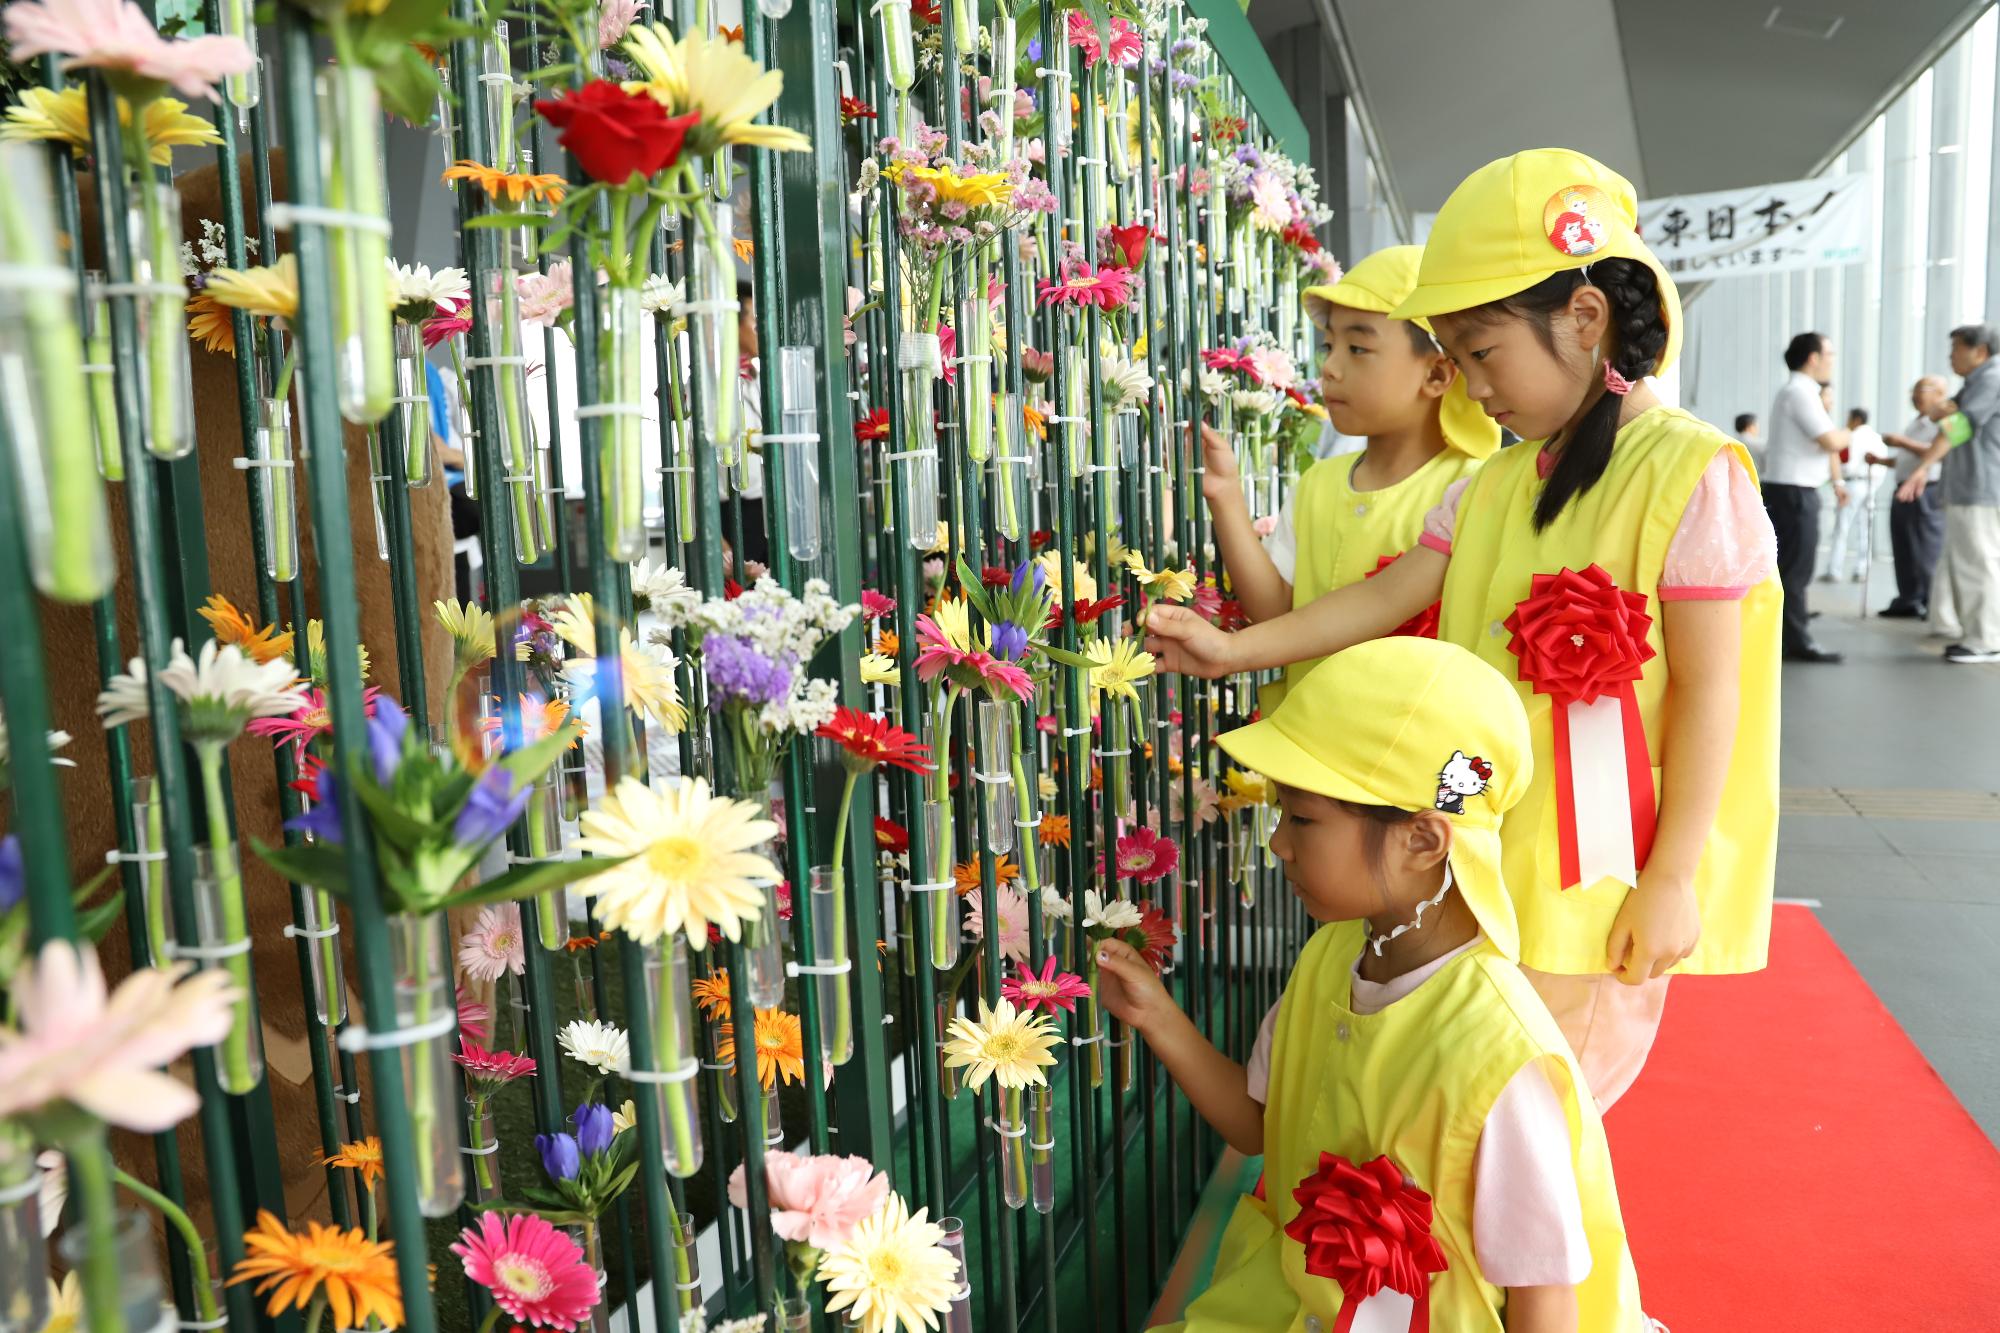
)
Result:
{"points": [[1581, 640], [1367, 1227], [1422, 625]]}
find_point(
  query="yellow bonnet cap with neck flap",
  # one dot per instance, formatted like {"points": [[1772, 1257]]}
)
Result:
{"points": [[1521, 219]]}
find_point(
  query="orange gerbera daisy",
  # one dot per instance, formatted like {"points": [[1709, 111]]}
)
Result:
{"points": [[364, 1156], [540, 719], [231, 626], [780, 1047], [729, 34], [887, 644], [711, 993], [355, 1276], [965, 875], [1035, 420], [578, 943], [745, 247], [1054, 831], [515, 186], [211, 323]]}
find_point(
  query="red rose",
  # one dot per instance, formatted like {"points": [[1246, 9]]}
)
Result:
{"points": [[1579, 636], [1128, 246], [1366, 1227], [614, 134], [1422, 625]]}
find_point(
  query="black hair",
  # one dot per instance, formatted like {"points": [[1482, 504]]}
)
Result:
{"points": [[1802, 348], [1421, 341], [1744, 421], [1858, 415], [1381, 818], [1638, 338], [744, 291], [1976, 335]]}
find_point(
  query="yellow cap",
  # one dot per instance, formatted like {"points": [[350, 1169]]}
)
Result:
{"points": [[1416, 724], [1521, 219], [1380, 283]]}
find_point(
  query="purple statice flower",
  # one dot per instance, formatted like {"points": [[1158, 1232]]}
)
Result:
{"points": [[385, 741], [594, 1130], [322, 820], [1034, 48], [493, 804], [561, 1157], [738, 673], [1009, 640], [13, 878]]}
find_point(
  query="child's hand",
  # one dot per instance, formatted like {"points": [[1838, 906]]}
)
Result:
{"points": [[1658, 926], [1218, 457], [1184, 642], [1129, 989]]}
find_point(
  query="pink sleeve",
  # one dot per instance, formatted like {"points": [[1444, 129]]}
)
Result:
{"points": [[1442, 520], [1527, 1216], [1257, 1070], [1724, 545]]}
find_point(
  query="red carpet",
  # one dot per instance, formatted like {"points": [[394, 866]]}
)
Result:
{"points": [[1789, 1161]]}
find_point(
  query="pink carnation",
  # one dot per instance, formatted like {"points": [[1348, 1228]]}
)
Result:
{"points": [[818, 1200]]}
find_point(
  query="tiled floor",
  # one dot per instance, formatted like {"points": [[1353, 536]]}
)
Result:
{"points": [[1893, 733]]}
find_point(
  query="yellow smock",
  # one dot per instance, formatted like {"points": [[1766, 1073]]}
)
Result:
{"points": [[1625, 524], [1341, 534], [1415, 1082]]}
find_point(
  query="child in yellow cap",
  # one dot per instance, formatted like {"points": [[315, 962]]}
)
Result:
{"points": [[1382, 379], [1621, 570], [1431, 1158]]}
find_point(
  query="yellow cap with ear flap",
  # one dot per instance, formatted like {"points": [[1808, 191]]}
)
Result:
{"points": [[1521, 219], [1416, 724], [1380, 283]]}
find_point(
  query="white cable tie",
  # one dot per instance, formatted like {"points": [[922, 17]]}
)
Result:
{"points": [[1100, 467], [487, 1151], [358, 1040], [342, 1094], [497, 78], [839, 969], [973, 359], [1076, 731], [411, 399], [881, 5], [115, 856], [608, 410], [683, 470], [712, 306], [793, 437], [1044, 72], [97, 368], [1001, 1128], [1156, 469], [1013, 460], [1086, 1041], [662, 1076], [517, 859], [1091, 162], [37, 278], [190, 1325], [1112, 754], [283, 216], [992, 779], [295, 932], [209, 953], [144, 289], [518, 478], [245, 464], [1036, 822], [909, 453], [930, 888], [1042, 1147], [716, 1066], [477, 361], [27, 1189], [1065, 421]]}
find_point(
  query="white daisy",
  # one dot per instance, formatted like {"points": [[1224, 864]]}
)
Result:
{"points": [[1117, 914], [602, 1046], [219, 692], [1055, 905], [415, 285], [1254, 402], [660, 295], [666, 591], [1125, 381]]}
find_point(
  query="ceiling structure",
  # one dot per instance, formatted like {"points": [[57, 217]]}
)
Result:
{"points": [[1682, 96]]}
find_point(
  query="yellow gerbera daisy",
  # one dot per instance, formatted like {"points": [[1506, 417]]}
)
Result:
{"points": [[315, 663], [211, 324], [575, 623], [44, 115], [712, 76], [271, 290], [953, 618], [1003, 1043], [880, 669], [1117, 665], [982, 189], [1173, 585], [693, 860], [357, 1276], [1052, 563], [891, 1272], [471, 628], [65, 1304]]}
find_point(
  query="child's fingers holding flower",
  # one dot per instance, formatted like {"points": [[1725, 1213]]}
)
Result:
{"points": [[1218, 458], [1129, 988], [1182, 641]]}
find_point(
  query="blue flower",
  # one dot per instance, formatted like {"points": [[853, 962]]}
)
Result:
{"points": [[1034, 48], [12, 876], [493, 804], [560, 1157], [1010, 641], [594, 1130], [385, 741], [323, 820]]}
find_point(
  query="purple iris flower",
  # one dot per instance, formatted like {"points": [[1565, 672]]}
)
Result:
{"points": [[385, 741], [1034, 48], [560, 1156], [323, 820], [1009, 640], [12, 876], [594, 1130], [1027, 570], [495, 803]]}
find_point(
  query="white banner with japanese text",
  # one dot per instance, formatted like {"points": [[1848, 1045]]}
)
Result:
{"points": [[1766, 229]]}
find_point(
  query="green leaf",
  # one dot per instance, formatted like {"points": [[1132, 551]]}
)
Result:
{"points": [[531, 761], [387, 818], [509, 221], [1067, 658], [321, 865], [1099, 15], [96, 922], [408, 84], [525, 881]]}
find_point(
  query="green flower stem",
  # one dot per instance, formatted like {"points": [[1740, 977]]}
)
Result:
{"points": [[551, 928], [514, 423], [668, 1056], [944, 902], [364, 336], [465, 444], [284, 547], [329, 951], [722, 259], [318, 1312], [90, 1173], [1093, 1018], [204, 1293], [238, 1075], [1115, 765], [1014, 1150], [158, 931], [491, 1321], [482, 1162], [1029, 838], [1043, 1132], [843, 1004], [976, 340], [419, 1072], [683, 1275], [103, 398]]}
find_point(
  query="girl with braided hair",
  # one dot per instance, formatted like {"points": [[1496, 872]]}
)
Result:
{"points": [[1619, 568]]}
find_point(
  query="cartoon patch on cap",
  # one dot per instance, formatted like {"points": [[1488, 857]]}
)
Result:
{"points": [[1573, 219], [1459, 778]]}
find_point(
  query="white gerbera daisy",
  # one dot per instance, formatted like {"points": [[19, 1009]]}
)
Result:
{"points": [[1125, 381], [602, 1046], [891, 1271], [691, 861], [1112, 914], [417, 293], [660, 295], [219, 692]]}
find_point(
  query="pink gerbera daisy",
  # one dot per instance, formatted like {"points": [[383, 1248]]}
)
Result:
{"points": [[1013, 913], [1080, 285], [452, 319], [115, 35], [493, 947], [1000, 674], [936, 653], [1126, 44], [491, 1070], [1145, 856], [875, 606], [312, 720], [1048, 989], [535, 1272], [474, 1019]]}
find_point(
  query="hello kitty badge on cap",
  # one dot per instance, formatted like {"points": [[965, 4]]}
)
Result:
{"points": [[1462, 776], [1573, 219]]}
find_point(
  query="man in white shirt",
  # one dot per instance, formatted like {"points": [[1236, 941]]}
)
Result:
{"points": [[1916, 527], [1804, 449]]}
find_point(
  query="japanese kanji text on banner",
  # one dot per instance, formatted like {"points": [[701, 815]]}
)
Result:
{"points": [[1764, 229]]}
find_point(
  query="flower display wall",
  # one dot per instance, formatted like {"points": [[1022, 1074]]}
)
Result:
{"points": [[692, 932]]}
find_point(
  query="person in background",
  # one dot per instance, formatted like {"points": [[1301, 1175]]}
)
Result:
{"points": [[1804, 444], [444, 411], [747, 477], [1847, 554], [1971, 492], [1916, 527], [1750, 436]]}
